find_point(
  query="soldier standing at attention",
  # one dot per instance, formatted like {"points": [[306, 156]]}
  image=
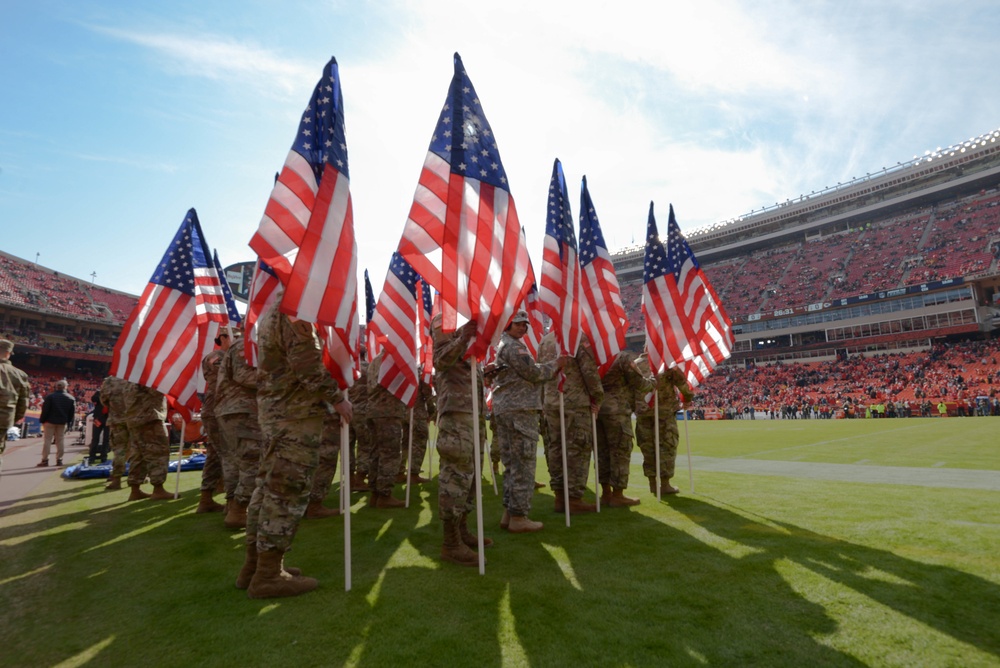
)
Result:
{"points": [[214, 470], [291, 384], [14, 390], [149, 447], [386, 416], [113, 396], [668, 385], [583, 394], [622, 382], [326, 469], [424, 411], [455, 442], [517, 403]]}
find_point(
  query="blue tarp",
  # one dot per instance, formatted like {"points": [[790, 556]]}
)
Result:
{"points": [[84, 471]]}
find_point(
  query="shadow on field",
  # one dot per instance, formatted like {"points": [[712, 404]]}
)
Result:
{"points": [[958, 604]]}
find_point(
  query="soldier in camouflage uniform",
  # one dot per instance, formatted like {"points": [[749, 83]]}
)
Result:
{"points": [[359, 436], [149, 447], [212, 474], [236, 410], [326, 469], [517, 403], [455, 441], [424, 411], [291, 384], [386, 417], [113, 396], [14, 391], [668, 384], [582, 398], [614, 428]]}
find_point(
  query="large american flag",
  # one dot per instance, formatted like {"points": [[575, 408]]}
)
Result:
{"points": [[686, 325], [263, 291], [559, 293], [307, 232], [533, 338], [601, 309], [395, 323], [426, 356], [176, 320], [462, 234], [370, 338]]}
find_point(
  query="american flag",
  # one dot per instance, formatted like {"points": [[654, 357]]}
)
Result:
{"points": [[227, 293], [370, 338], [601, 309], [263, 291], [426, 357], [307, 232], [686, 325], [396, 320], [176, 320], [536, 329], [559, 296], [462, 234]]}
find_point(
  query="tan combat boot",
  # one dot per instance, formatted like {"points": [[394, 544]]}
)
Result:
{"points": [[250, 565], [137, 493], [606, 493], [577, 506], [470, 539], [652, 485], [317, 511], [521, 524], [271, 580], [160, 494], [114, 482], [236, 515], [453, 549], [667, 488], [206, 504], [388, 501], [505, 520], [619, 500]]}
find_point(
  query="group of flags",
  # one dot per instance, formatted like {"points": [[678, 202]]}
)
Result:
{"points": [[462, 241]]}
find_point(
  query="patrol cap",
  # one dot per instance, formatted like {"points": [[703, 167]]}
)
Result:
{"points": [[520, 316], [6, 346]]}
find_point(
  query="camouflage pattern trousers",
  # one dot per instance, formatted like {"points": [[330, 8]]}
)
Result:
{"points": [[242, 455], [329, 454], [517, 437], [614, 449], [284, 481], [387, 443], [579, 444], [212, 473], [456, 479], [644, 434], [361, 445], [6, 422], [148, 453], [118, 438], [420, 435]]}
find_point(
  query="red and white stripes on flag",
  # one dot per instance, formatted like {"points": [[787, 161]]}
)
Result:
{"points": [[425, 357], [602, 312], [462, 235], [263, 291], [685, 321], [533, 338], [395, 323], [176, 320], [307, 232], [559, 293]]}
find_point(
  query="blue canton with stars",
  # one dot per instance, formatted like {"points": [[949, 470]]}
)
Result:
{"points": [[559, 218], [321, 138], [463, 136], [227, 293], [660, 260], [591, 237], [405, 273], [186, 253], [369, 299]]}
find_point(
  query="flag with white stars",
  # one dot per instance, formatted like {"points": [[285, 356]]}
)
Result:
{"points": [[307, 232], [601, 310], [462, 234], [686, 325], [395, 325], [559, 292], [263, 291], [176, 320]]}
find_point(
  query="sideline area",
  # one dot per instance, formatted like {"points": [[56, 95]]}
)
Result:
{"points": [[20, 476]]}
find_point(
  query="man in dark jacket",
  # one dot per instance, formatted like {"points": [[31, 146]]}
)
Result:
{"points": [[99, 440], [58, 411]]}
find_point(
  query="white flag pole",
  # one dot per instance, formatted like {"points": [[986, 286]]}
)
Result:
{"points": [[565, 471], [345, 486], [180, 455], [409, 459], [478, 463], [656, 440], [687, 443], [597, 477], [430, 452]]}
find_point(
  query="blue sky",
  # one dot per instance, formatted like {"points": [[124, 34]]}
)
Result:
{"points": [[118, 116]]}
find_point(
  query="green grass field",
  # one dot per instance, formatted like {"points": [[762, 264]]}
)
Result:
{"points": [[751, 569]]}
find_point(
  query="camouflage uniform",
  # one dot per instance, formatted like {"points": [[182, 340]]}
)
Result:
{"points": [[329, 455], [453, 383], [621, 383], [359, 436], [291, 380], [386, 417], [517, 403], [583, 390], [14, 391], [113, 396], [424, 411], [214, 446], [149, 449], [236, 409], [667, 384]]}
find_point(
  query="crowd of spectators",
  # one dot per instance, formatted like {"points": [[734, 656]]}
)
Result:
{"points": [[958, 374], [81, 385], [93, 344]]}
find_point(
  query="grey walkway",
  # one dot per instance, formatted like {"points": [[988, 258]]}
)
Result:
{"points": [[885, 475], [20, 477]]}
